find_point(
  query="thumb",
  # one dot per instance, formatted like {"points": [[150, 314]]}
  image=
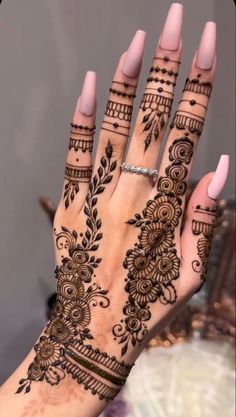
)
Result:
{"points": [[200, 221]]}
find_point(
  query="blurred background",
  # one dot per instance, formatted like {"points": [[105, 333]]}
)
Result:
{"points": [[45, 49]]}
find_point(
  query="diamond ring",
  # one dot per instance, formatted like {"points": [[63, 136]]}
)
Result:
{"points": [[133, 169]]}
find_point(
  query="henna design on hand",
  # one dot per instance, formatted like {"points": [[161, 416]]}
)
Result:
{"points": [[81, 139], [153, 263], [74, 175], [157, 102], [62, 348], [198, 87], [182, 121], [119, 111], [157, 111], [205, 230]]}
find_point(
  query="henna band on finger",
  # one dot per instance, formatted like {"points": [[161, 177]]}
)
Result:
{"points": [[133, 169]]}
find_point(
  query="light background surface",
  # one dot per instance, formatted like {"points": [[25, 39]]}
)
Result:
{"points": [[45, 48]]}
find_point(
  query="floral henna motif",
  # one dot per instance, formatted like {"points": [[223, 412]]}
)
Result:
{"points": [[61, 349], [153, 264]]}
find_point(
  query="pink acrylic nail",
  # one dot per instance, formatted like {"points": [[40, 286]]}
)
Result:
{"points": [[170, 37], [133, 57], [207, 47], [219, 178], [87, 102]]}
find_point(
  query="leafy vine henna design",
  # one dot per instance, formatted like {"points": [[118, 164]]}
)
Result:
{"points": [[74, 175], [205, 230], [153, 264], [62, 348]]}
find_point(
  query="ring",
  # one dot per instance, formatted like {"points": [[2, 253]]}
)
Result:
{"points": [[133, 169]]}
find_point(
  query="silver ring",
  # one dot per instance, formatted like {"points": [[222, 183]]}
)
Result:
{"points": [[133, 169]]}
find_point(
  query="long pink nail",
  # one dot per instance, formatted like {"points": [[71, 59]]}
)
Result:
{"points": [[207, 47], [87, 102], [133, 58], [170, 37], [219, 178]]}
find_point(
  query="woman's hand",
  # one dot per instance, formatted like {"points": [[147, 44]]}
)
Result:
{"points": [[126, 261]]}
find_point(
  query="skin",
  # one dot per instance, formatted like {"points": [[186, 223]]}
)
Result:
{"points": [[115, 207]]}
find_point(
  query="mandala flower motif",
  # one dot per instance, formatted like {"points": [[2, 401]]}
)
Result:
{"points": [[181, 150], [144, 291], [70, 287], [164, 207], [176, 172], [156, 238], [35, 371], [138, 264], [144, 314], [166, 184], [133, 324], [79, 256], [167, 268], [47, 352], [61, 329], [78, 313], [84, 272], [180, 188], [69, 267]]}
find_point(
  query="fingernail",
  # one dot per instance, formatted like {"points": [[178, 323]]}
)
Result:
{"points": [[133, 58], [87, 102], [207, 47], [219, 178], [170, 37]]}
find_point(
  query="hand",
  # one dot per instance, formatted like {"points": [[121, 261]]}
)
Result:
{"points": [[125, 260]]}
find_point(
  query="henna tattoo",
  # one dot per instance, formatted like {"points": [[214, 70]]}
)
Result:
{"points": [[164, 71], [121, 93], [62, 349], [85, 128], [203, 246], [193, 103], [157, 111], [117, 128], [167, 59], [74, 175], [82, 144], [205, 210], [182, 121], [153, 263], [198, 87], [205, 230], [120, 111], [108, 375], [161, 80]]}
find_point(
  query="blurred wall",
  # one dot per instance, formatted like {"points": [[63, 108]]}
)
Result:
{"points": [[45, 48]]}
